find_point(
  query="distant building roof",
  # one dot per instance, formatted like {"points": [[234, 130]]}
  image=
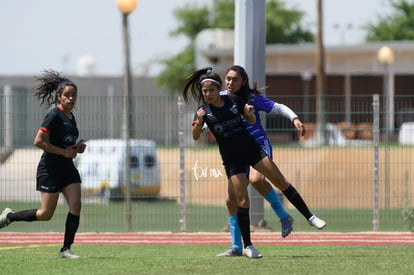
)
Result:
{"points": [[300, 58]]}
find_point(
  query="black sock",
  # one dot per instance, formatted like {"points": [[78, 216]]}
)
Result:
{"points": [[24, 215], [244, 224], [294, 197], [72, 224]]}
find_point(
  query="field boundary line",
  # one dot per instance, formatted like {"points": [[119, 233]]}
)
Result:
{"points": [[166, 238]]}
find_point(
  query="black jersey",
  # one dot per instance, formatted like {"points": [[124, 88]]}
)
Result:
{"points": [[235, 143], [226, 122], [63, 132], [55, 171]]}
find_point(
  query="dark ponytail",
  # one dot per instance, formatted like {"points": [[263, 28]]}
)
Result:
{"points": [[50, 85], [192, 85]]}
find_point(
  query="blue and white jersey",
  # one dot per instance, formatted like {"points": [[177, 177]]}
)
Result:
{"points": [[262, 103]]}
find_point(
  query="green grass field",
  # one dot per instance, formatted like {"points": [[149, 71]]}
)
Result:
{"points": [[165, 215], [191, 259], [201, 259]]}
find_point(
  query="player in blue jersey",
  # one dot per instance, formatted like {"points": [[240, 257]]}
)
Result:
{"points": [[57, 137], [237, 82]]}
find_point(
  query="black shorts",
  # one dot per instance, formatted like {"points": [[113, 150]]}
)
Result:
{"points": [[238, 160], [52, 176]]}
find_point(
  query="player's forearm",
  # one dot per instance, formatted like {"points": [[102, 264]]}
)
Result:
{"points": [[283, 110]]}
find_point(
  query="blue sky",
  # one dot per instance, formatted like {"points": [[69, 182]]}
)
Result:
{"points": [[54, 34]]}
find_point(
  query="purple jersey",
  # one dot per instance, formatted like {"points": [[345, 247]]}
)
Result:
{"points": [[260, 103]]}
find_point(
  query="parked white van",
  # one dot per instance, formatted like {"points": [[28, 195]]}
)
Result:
{"points": [[102, 168]]}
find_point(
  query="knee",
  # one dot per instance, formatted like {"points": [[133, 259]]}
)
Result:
{"points": [[262, 186], [256, 183], [44, 215], [75, 209], [230, 202], [285, 186]]}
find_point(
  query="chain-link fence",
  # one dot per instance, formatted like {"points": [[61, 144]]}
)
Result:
{"points": [[337, 174]]}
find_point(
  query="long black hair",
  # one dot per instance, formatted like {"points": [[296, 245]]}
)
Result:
{"points": [[245, 90], [192, 85], [50, 85]]}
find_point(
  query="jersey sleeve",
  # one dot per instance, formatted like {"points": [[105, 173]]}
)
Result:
{"points": [[261, 103], [284, 110], [240, 104], [50, 121]]}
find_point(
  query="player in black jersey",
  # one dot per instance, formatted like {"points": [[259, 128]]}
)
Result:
{"points": [[238, 149], [57, 137]]}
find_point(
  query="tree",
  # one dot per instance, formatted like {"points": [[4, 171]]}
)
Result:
{"points": [[399, 25], [282, 26], [176, 69], [191, 20]]}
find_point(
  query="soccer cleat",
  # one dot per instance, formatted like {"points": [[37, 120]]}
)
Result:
{"points": [[4, 221], [316, 222], [251, 252], [286, 226], [231, 252], [68, 254]]}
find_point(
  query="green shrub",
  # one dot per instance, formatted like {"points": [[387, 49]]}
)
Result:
{"points": [[408, 217]]}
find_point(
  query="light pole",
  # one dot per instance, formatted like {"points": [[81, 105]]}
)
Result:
{"points": [[320, 78], [126, 7], [386, 57]]}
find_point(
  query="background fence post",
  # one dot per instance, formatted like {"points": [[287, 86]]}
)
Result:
{"points": [[8, 117], [375, 105], [181, 141]]}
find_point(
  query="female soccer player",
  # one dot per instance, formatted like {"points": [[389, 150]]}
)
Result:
{"points": [[238, 149], [56, 172], [237, 83]]}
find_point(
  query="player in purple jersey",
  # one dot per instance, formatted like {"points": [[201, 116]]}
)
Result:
{"points": [[237, 82]]}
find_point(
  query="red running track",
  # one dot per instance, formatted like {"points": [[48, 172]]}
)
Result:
{"points": [[165, 238]]}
